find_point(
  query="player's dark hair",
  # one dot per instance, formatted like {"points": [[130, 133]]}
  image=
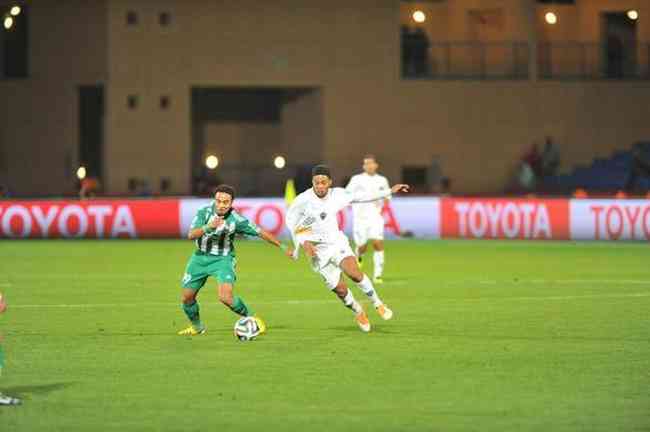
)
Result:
{"points": [[226, 189], [369, 156], [321, 170]]}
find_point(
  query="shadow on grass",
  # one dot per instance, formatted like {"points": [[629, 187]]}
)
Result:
{"points": [[22, 391]]}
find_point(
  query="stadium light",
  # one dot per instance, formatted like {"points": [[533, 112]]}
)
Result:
{"points": [[279, 162], [633, 15], [419, 16], [81, 172], [15, 10], [550, 18], [8, 22], [212, 162]]}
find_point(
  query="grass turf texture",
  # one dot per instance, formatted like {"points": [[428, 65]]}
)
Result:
{"points": [[487, 336]]}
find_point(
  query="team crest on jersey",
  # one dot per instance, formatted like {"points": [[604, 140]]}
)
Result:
{"points": [[323, 216]]}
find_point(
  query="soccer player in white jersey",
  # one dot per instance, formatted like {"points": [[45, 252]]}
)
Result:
{"points": [[368, 221], [312, 221]]}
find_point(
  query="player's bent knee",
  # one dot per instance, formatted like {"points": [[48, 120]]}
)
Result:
{"points": [[225, 294], [225, 299], [188, 296], [341, 290]]}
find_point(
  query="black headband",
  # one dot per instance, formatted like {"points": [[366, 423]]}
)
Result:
{"points": [[321, 170]]}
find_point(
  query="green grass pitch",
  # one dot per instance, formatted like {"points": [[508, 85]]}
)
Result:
{"points": [[487, 336]]}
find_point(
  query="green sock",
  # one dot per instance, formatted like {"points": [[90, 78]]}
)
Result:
{"points": [[240, 308], [192, 312]]}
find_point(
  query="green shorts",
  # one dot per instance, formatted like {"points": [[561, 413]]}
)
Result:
{"points": [[199, 267]]}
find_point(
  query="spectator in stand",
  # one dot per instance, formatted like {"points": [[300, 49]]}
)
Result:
{"points": [[89, 188], [550, 158], [533, 159], [526, 179]]}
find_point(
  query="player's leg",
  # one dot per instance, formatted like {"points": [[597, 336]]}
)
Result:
{"points": [[233, 302], [378, 259], [4, 399], [193, 279], [237, 304], [376, 235], [360, 241], [191, 309], [341, 290], [224, 271], [352, 270]]}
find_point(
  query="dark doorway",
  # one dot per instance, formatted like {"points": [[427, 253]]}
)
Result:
{"points": [[619, 45], [91, 129], [14, 42], [244, 130]]}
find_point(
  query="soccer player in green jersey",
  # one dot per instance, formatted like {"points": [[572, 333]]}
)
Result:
{"points": [[213, 229], [4, 399]]}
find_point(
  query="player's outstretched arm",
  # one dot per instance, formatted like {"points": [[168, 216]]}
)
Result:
{"points": [[270, 238], [400, 187]]}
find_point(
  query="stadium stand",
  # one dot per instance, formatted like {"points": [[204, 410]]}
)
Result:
{"points": [[618, 172]]}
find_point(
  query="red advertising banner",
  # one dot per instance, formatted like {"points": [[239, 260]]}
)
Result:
{"points": [[423, 217], [505, 218], [89, 219]]}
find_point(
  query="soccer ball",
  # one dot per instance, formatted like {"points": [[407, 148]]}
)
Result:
{"points": [[246, 329]]}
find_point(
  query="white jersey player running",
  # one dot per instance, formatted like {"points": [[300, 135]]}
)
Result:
{"points": [[368, 221], [312, 221]]}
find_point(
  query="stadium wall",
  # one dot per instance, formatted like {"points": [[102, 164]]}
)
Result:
{"points": [[419, 217], [350, 51]]}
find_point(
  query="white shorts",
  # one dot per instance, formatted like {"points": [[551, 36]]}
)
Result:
{"points": [[365, 230], [329, 257]]}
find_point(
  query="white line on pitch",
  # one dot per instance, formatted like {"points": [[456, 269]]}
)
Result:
{"points": [[556, 281], [300, 302], [102, 305], [568, 297]]}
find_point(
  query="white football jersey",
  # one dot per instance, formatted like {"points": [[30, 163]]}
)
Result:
{"points": [[315, 219], [368, 185]]}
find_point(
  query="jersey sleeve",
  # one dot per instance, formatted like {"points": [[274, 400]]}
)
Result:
{"points": [[363, 197], [352, 184], [344, 197], [246, 227], [295, 212], [198, 220]]}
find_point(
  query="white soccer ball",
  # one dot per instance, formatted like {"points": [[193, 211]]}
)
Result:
{"points": [[246, 329]]}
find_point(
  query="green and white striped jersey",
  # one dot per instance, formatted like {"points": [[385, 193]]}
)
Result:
{"points": [[222, 241]]}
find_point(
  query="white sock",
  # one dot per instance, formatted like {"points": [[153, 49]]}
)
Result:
{"points": [[369, 290], [351, 303], [378, 258]]}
